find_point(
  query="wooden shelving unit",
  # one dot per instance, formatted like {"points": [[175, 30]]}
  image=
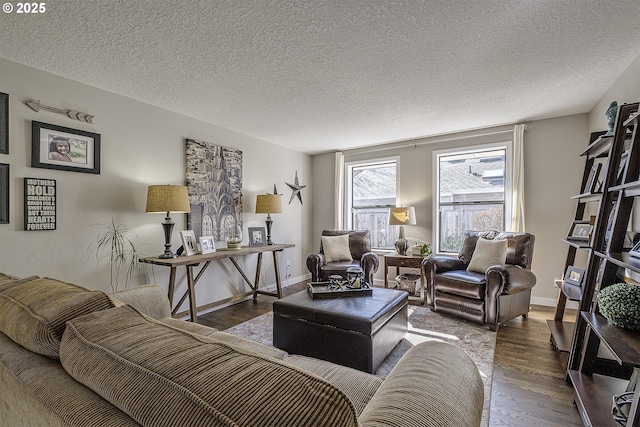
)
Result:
{"points": [[597, 378], [562, 330]]}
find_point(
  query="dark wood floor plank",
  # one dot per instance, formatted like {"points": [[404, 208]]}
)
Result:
{"points": [[529, 387]]}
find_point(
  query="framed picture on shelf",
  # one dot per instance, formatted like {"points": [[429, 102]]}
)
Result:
{"points": [[592, 180], [574, 276], [207, 245], [62, 148], [635, 250], [621, 168], [189, 242], [256, 236], [580, 230]]}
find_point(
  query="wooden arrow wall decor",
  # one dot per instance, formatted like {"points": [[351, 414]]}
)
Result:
{"points": [[72, 114]]}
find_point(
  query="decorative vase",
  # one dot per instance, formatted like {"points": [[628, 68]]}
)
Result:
{"points": [[234, 238]]}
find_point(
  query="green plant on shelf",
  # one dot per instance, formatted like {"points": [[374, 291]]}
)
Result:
{"points": [[620, 303]]}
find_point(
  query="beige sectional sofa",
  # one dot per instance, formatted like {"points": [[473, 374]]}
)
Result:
{"points": [[75, 357]]}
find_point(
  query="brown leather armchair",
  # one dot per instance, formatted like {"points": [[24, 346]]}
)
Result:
{"points": [[360, 247], [493, 298]]}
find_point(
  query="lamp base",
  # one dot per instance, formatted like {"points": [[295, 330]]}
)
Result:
{"points": [[167, 226], [401, 244], [269, 223]]}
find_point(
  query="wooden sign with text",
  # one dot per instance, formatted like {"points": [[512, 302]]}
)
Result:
{"points": [[39, 204]]}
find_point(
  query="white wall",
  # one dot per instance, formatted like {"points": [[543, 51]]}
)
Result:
{"points": [[625, 90], [141, 145]]}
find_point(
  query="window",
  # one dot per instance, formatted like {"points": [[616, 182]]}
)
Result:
{"points": [[473, 192], [371, 191]]}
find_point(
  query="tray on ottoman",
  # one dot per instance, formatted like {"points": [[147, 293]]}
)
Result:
{"points": [[358, 331], [319, 290]]}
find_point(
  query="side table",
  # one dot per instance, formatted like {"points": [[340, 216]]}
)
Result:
{"points": [[397, 261]]}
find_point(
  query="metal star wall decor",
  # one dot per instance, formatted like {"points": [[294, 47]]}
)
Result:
{"points": [[295, 189]]}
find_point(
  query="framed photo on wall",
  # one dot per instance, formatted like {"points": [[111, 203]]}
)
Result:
{"points": [[4, 123], [257, 237], [4, 193], [62, 148], [189, 242]]}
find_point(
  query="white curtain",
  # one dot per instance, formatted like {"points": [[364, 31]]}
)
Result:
{"points": [[517, 204], [339, 192]]}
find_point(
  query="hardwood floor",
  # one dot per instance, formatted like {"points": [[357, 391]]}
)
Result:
{"points": [[528, 380]]}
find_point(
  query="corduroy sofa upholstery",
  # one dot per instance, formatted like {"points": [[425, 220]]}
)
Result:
{"points": [[85, 358]]}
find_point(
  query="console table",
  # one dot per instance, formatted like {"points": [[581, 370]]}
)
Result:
{"points": [[189, 262]]}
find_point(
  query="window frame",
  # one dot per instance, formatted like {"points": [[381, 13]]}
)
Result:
{"points": [[348, 213], [507, 145]]}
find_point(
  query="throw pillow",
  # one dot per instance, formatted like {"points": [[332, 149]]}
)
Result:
{"points": [[131, 359], [488, 253], [336, 248], [33, 314]]}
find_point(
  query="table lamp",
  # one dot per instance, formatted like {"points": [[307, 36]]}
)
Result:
{"points": [[269, 203], [402, 216], [168, 198]]}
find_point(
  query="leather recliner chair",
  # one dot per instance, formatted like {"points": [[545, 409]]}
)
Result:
{"points": [[360, 247], [493, 298]]}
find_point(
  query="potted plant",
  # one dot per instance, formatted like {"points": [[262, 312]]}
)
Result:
{"points": [[114, 244], [620, 303], [425, 250]]}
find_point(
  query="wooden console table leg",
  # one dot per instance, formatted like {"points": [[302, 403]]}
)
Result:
{"points": [[256, 284], [277, 268], [172, 289], [192, 295]]}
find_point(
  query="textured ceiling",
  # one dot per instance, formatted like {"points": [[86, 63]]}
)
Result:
{"points": [[319, 75]]}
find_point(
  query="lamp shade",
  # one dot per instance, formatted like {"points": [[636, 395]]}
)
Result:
{"points": [[269, 203], [168, 198], [402, 216]]}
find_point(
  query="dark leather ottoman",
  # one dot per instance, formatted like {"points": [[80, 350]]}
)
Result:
{"points": [[352, 331]]}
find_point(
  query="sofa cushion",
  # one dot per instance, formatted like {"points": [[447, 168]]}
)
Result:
{"points": [[488, 253], [163, 376], [336, 248], [10, 283], [33, 314]]}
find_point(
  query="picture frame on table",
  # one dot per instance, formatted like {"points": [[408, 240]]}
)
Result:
{"points": [[63, 148], [580, 230], [189, 242], [207, 245], [257, 237], [4, 123]]}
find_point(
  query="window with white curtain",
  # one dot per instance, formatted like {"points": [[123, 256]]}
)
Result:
{"points": [[372, 188], [473, 192]]}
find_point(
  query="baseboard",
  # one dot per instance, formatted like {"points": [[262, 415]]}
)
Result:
{"points": [[552, 302]]}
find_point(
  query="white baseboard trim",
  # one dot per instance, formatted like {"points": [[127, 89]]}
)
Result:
{"points": [[552, 302]]}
